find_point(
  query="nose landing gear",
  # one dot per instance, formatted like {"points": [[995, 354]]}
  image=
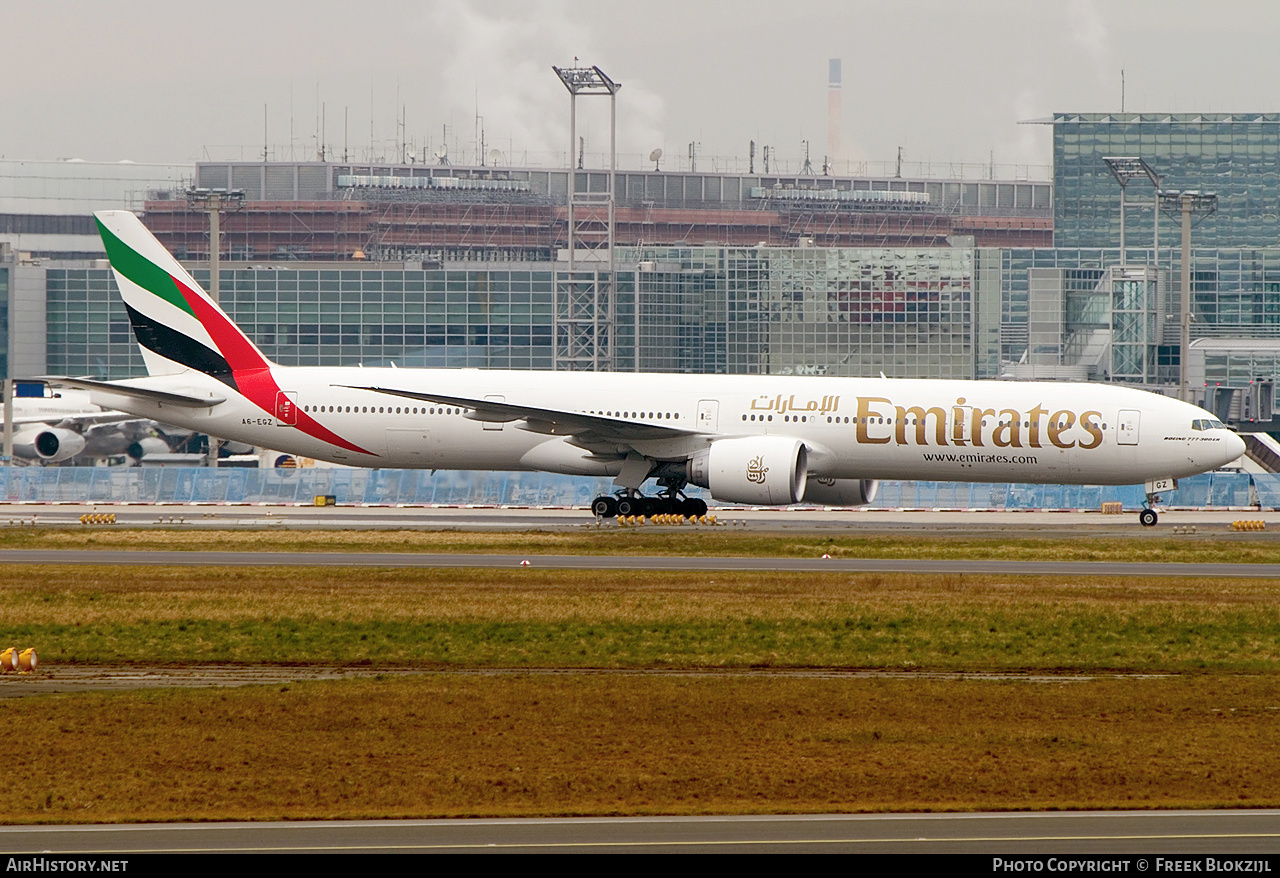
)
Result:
{"points": [[1147, 517]]}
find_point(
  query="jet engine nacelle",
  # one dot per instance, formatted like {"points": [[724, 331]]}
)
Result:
{"points": [[147, 445], [841, 492], [227, 448], [763, 470], [53, 444]]}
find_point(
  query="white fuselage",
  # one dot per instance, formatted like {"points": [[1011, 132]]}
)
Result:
{"points": [[854, 428]]}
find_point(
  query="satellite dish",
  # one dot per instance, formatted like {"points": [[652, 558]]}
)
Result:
{"points": [[495, 156], [654, 156], [442, 155]]}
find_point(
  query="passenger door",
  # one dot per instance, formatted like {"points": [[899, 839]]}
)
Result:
{"points": [[708, 415], [286, 408], [1127, 427]]}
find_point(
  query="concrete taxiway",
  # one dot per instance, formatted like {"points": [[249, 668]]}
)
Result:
{"points": [[941, 522], [1166, 834], [632, 562]]}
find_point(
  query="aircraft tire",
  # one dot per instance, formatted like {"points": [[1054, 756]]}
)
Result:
{"points": [[1148, 518], [604, 506]]}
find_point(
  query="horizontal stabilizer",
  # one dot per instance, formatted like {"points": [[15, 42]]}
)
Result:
{"points": [[145, 394]]}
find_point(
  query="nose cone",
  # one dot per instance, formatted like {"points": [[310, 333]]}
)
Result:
{"points": [[1234, 448]]}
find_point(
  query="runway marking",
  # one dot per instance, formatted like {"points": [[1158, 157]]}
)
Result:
{"points": [[705, 843]]}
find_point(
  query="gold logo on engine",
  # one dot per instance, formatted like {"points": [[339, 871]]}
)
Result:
{"points": [[756, 470]]}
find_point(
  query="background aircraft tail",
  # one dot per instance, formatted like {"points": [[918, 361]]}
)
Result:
{"points": [[177, 326]]}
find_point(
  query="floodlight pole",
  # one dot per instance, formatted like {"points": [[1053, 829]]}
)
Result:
{"points": [[590, 81], [214, 202], [1124, 169], [1188, 203]]}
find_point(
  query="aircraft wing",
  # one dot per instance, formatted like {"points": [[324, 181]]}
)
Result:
{"points": [[585, 428], [130, 425], [87, 418]]}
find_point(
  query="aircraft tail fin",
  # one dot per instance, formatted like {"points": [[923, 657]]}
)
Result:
{"points": [[177, 326]]}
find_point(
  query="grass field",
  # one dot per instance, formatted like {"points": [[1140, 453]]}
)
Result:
{"points": [[484, 618], [727, 710]]}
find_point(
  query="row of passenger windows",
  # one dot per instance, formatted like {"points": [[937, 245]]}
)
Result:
{"points": [[379, 410], [652, 416]]}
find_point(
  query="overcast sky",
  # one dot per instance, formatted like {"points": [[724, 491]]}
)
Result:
{"points": [[948, 82]]}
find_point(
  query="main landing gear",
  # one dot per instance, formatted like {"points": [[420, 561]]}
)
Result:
{"points": [[627, 503]]}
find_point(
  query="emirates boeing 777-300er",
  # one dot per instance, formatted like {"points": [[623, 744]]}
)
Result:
{"points": [[765, 440]]}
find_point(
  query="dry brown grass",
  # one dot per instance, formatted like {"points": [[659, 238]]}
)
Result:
{"points": [[458, 745]]}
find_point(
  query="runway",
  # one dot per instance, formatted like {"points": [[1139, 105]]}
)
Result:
{"points": [[1175, 525], [1167, 834], [863, 521], [633, 562]]}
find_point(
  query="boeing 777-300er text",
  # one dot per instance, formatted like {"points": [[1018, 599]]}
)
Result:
{"points": [[765, 440]]}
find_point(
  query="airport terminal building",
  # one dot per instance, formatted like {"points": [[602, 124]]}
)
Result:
{"points": [[464, 267]]}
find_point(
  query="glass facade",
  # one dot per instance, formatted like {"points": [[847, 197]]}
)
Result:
{"points": [[789, 311], [87, 327], [1235, 293], [809, 311], [907, 313], [327, 317], [1234, 155]]}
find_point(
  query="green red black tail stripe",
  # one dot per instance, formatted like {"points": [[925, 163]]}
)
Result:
{"points": [[179, 347]]}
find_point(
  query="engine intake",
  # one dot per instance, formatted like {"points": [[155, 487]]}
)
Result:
{"points": [[764, 470], [53, 444]]}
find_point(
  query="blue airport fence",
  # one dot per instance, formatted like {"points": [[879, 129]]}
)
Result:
{"points": [[422, 487]]}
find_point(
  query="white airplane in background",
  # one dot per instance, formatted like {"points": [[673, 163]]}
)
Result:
{"points": [[59, 425], [748, 439]]}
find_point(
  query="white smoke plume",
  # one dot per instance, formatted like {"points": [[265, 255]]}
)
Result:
{"points": [[497, 59], [1088, 30]]}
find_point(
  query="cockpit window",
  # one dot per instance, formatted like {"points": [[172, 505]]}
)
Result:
{"points": [[1207, 424]]}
